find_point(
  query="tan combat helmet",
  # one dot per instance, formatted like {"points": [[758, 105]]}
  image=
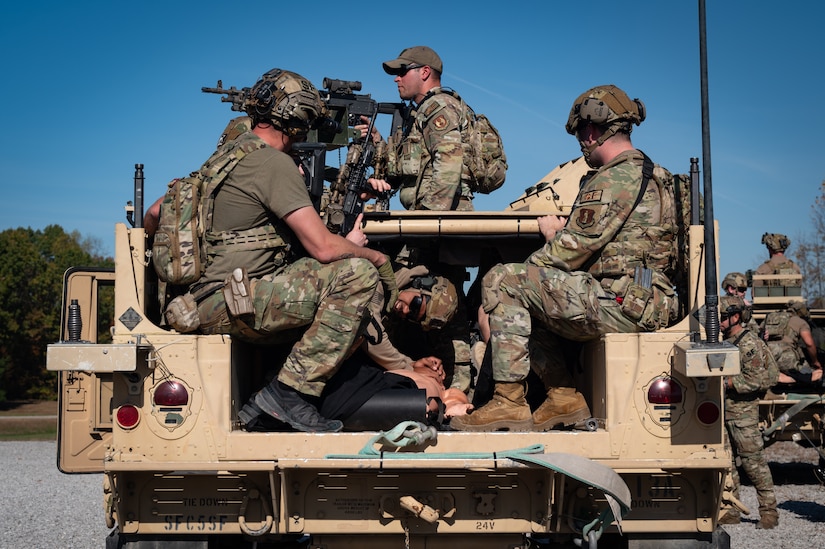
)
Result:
{"points": [[731, 304], [799, 308], [442, 303], [776, 242], [607, 107], [737, 280], [285, 99]]}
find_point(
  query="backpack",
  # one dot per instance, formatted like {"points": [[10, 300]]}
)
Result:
{"points": [[179, 249], [776, 325], [676, 206], [488, 163]]}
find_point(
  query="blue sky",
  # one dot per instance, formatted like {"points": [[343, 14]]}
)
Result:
{"points": [[91, 88]]}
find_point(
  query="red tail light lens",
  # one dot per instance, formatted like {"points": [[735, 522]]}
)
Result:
{"points": [[127, 416], [170, 393], [664, 390], [708, 413]]}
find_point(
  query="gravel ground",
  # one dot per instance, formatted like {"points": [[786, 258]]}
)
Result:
{"points": [[43, 508]]}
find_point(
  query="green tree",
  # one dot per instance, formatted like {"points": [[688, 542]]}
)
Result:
{"points": [[32, 263], [810, 254]]}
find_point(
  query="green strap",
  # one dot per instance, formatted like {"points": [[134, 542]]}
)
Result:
{"points": [[584, 470]]}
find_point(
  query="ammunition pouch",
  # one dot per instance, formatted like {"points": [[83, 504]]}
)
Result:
{"points": [[490, 287], [182, 314], [635, 301], [650, 307]]}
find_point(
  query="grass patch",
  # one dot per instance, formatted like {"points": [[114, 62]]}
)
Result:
{"points": [[28, 420], [28, 429]]}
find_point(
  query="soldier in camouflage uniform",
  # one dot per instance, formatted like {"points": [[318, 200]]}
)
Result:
{"points": [[742, 393], [317, 298], [605, 269], [428, 161], [425, 302], [777, 263], [736, 284], [791, 341]]}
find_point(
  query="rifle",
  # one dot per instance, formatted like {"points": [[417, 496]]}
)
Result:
{"points": [[359, 158], [347, 108], [233, 95]]}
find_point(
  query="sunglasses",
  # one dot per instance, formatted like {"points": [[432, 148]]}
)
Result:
{"points": [[415, 312], [407, 68]]}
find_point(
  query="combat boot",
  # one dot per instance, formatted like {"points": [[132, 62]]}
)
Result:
{"points": [[287, 405], [768, 520], [508, 410], [564, 405]]}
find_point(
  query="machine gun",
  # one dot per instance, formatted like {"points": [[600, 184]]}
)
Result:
{"points": [[232, 95], [347, 108]]}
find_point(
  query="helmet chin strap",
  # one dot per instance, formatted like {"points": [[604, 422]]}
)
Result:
{"points": [[587, 150]]}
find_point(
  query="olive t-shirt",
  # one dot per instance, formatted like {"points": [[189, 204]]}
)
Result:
{"points": [[264, 187]]}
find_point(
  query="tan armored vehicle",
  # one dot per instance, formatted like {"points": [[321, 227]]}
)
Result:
{"points": [[156, 412]]}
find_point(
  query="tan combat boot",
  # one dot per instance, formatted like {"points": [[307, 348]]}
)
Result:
{"points": [[508, 410], [564, 405], [768, 520]]}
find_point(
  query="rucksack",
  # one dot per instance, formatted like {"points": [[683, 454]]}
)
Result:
{"points": [[179, 248], [488, 163], [489, 166], [776, 325], [676, 205]]}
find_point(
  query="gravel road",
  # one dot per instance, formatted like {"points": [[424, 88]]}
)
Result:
{"points": [[43, 508]]}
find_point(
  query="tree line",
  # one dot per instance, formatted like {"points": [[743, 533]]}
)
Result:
{"points": [[32, 263], [810, 254]]}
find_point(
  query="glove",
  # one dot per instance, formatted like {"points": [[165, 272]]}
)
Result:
{"points": [[390, 285]]}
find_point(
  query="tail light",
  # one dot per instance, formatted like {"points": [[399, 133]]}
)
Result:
{"points": [[170, 393], [127, 416], [708, 412], [665, 390]]}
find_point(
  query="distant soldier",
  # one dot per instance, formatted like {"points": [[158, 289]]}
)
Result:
{"points": [[742, 393], [736, 284], [777, 263], [792, 343]]}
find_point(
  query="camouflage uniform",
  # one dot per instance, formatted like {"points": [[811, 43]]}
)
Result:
{"points": [[429, 165], [777, 263], [758, 372], [428, 159], [787, 347], [321, 306], [382, 334], [451, 343], [608, 237]]}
